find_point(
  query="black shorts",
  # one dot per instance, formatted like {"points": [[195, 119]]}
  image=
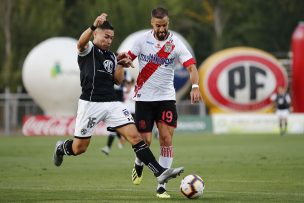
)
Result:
{"points": [[156, 111]]}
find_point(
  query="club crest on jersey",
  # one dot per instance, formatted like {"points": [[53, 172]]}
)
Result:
{"points": [[168, 47], [108, 65]]}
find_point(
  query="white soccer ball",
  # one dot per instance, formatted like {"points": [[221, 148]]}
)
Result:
{"points": [[192, 186]]}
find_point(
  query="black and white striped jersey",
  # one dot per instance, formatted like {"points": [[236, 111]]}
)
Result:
{"points": [[97, 69]]}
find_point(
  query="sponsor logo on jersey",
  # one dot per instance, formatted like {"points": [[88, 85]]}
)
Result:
{"points": [[154, 58], [148, 42]]}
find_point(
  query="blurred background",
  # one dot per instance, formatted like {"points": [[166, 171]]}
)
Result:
{"points": [[209, 27]]}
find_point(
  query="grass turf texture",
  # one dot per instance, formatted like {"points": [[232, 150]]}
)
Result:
{"points": [[236, 168]]}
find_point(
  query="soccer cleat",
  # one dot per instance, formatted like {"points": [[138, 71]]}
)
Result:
{"points": [[136, 179], [106, 150], [57, 157], [169, 174], [162, 193]]}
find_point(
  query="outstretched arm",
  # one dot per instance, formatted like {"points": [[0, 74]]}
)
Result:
{"points": [[123, 60], [87, 34]]}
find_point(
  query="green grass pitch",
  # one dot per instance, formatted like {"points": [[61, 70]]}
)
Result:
{"points": [[236, 168]]}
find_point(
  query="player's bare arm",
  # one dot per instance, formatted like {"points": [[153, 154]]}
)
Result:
{"points": [[123, 61], [119, 75], [87, 34], [195, 93]]}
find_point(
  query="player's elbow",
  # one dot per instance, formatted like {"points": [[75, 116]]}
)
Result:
{"points": [[80, 47]]}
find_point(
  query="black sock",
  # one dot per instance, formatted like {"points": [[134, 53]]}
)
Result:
{"points": [[139, 169], [144, 153], [110, 140], [67, 147]]}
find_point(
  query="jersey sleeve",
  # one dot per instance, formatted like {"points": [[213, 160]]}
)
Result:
{"points": [[135, 50], [87, 50], [184, 55]]}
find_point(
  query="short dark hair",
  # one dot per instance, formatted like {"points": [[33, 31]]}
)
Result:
{"points": [[106, 25], [159, 12]]}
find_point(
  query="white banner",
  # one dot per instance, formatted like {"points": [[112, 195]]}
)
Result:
{"points": [[255, 123]]}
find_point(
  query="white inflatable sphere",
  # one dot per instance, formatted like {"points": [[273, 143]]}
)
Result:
{"points": [[181, 82], [51, 76]]}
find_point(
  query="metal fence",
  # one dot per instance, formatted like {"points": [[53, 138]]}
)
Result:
{"points": [[12, 109]]}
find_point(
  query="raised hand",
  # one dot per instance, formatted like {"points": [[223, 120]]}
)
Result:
{"points": [[100, 19]]}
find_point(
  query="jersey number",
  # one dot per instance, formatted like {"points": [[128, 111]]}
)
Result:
{"points": [[167, 116]]}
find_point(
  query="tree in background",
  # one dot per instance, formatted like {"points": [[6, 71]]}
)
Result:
{"points": [[208, 25], [5, 23]]}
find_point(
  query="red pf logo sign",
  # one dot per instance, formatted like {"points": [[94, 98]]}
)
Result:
{"points": [[240, 80]]}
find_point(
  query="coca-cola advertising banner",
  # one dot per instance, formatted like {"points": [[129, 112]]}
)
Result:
{"points": [[49, 125]]}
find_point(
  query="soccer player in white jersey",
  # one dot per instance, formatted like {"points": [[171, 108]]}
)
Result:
{"points": [[157, 51], [281, 101], [100, 69]]}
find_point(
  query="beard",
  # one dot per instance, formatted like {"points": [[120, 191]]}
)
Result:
{"points": [[162, 35]]}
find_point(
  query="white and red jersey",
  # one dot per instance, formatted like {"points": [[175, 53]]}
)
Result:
{"points": [[157, 61]]}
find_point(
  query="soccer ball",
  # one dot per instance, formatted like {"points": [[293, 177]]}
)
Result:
{"points": [[192, 186]]}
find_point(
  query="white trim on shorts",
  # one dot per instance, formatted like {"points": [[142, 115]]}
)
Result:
{"points": [[89, 114]]}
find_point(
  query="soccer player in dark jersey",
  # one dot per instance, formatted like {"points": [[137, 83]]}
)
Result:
{"points": [[281, 101], [99, 70]]}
